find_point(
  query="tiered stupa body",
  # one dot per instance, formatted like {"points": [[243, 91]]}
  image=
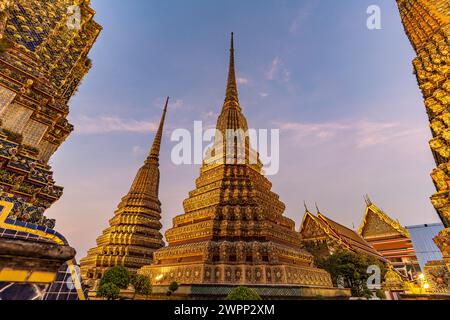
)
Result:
{"points": [[134, 232], [427, 24], [233, 230], [44, 48]]}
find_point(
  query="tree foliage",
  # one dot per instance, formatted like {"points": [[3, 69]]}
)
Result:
{"points": [[380, 294], [118, 275], [172, 288], [243, 293], [109, 291], [352, 268], [113, 280], [141, 285]]}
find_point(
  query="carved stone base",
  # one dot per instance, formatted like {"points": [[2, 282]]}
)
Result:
{"points": [[234, 274]]}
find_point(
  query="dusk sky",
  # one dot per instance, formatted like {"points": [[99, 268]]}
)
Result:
{"points": [[345, 99]]}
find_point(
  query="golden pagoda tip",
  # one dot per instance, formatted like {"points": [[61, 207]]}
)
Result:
{"points": [[167, 103], [232, 42], [231, 91]]}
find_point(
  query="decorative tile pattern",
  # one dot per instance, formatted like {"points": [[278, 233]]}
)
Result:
{"points": [[21, 291], [65, 287], [6, 97]]}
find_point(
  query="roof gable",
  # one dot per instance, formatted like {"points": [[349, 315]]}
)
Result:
{"points": [[376, 223], [311, 228], [350, 237]]}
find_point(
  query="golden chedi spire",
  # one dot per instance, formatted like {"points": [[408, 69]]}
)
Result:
{"points": [[233, 230], [156, 147], [232, 92], [231, 142], [134, 231], [146, 183], [231, 116]]}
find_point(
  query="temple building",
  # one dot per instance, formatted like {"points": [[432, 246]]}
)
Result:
{"points": [[233, 231], [44, 48], [391, 240], [323, 236], [134, 231], [427, 25]]}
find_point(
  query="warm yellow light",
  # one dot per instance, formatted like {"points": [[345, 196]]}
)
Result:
{"points": [[421, 276], [159, 278], [426, 286]]}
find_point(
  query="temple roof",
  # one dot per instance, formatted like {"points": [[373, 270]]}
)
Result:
{"points": [[376, 223], [346, 237]]}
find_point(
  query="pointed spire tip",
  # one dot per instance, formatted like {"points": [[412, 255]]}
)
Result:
{"points": [[167, 103], [231, 91], [154, 152]]}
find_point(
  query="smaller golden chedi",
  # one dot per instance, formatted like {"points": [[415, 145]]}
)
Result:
{"points": [[134, 232]]}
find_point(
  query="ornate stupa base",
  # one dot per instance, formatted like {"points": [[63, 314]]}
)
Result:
{"points": [[237, 274]]}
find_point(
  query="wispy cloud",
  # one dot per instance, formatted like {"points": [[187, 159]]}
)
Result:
{"points": [[176, 104], [361, 134], [242, 80], [138, 151], [274, 67], [173, 103], [303, 14], [278, 71], [109, 124]]}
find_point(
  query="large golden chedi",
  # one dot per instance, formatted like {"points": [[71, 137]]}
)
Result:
{"points": [[233, 230], [427, 24], [43, 59], [44, 48], [133, 234]]}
